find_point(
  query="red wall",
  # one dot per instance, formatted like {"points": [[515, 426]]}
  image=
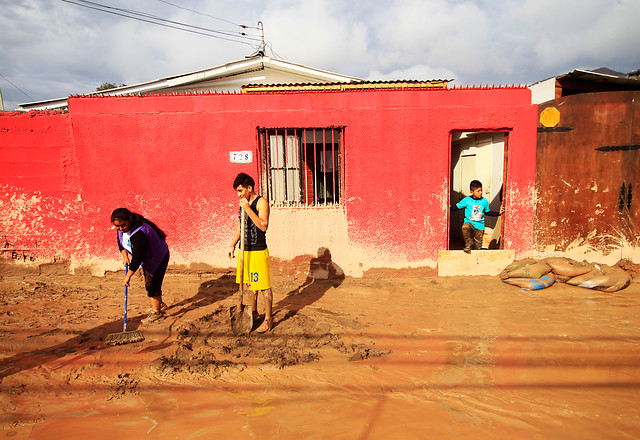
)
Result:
{"points": [[168, 158], [38, 184]]}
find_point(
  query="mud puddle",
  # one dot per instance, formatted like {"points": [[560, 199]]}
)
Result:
{"points": [[421, 357]]}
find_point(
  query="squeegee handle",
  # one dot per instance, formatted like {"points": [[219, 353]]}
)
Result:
{"points": [[126, 289]]}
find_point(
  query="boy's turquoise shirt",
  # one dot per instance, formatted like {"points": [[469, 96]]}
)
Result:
{"points": [[474, 210]]}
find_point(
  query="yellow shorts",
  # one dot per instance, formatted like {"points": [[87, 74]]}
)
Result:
{"points": [[257, 270]]}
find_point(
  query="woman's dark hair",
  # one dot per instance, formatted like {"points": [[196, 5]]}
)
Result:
{"points": [[123, 214]]}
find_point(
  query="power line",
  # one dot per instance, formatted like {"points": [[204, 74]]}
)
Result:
{"points": [[133, 14], [207, 15], [25, 93], [270, 46], [148, 18]]}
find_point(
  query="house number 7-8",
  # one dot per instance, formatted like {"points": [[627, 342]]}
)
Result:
{"points": [[241, 156]]}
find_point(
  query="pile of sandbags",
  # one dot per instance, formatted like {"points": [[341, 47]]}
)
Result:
{"points": [[533, 274], [529, 274]]}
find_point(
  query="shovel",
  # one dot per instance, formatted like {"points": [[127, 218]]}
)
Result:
{"points": [[241, 316]]}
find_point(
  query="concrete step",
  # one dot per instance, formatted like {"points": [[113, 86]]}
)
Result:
{"points": [[483, 262]]}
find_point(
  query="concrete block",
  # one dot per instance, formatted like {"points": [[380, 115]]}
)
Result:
{"points": [[483, 262]]}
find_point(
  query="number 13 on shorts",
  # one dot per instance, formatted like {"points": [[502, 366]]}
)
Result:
{"points": [[254, 277]]}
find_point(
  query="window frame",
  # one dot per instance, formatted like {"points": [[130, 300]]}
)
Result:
{"points": [[310, 180]]}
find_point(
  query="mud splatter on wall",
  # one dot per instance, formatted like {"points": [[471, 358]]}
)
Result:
{"points": [[588, 174], [167, 157]]}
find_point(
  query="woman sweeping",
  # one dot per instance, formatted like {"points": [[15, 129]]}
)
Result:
{"points": [[142, 244]]}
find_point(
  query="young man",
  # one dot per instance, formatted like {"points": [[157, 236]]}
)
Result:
{"points": [[257, 272], [475, 207]]}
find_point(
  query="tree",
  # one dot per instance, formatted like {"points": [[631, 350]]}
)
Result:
{"points": [[106, 86]]}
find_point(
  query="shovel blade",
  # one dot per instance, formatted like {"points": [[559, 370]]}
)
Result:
{"points": [[241, 320]]}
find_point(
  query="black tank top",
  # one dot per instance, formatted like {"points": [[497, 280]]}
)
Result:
{"points": [[254, 238]]}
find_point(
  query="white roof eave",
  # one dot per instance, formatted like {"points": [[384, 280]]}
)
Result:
{"points": [[218, 72]]}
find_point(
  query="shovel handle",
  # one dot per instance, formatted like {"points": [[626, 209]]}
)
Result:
{"points": [[126, 291], [241, 257]]}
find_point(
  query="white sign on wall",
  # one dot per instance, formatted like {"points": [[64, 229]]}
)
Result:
{"points": [[241, 156]]}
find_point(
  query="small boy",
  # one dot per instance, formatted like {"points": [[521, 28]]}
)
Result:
{"points": [[475, 207], [257, 271]]}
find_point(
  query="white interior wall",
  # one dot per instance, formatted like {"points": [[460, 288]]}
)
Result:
{"points": [[478, 156]]}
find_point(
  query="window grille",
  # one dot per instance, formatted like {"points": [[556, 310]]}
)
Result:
{"points": [[302, 166]]}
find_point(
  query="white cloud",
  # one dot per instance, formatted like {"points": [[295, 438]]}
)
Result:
{"points": [[415, 72], [51, 49], [437, 32], [561, 36], [318, 33]]}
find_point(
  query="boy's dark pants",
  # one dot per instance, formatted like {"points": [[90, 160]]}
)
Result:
{"points": [[472, 236]]}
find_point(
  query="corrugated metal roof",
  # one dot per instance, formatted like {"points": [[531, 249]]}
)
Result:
{"points": [[358, 85], [587, 75]]}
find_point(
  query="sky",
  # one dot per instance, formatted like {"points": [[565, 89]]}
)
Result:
{"points": [[56, 48]]}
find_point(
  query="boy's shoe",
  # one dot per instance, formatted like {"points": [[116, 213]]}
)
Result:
{"points": [[265, 327], [153, 317], [467, 249]]}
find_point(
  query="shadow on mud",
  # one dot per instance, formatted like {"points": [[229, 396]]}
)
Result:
{"points": [[209, 292], [90, 341], [323, 275]]}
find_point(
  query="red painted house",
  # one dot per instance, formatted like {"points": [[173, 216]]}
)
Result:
{"points": [[366, 172]]}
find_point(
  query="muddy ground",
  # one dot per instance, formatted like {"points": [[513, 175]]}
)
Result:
{"points": [[396, 354]]}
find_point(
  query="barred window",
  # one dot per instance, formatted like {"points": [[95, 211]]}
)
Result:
{"points": [[302, 165]]}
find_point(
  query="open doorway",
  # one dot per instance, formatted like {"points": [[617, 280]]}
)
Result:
{"points": [[478, 155]]}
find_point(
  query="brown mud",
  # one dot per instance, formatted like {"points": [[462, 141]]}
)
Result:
{"points": [[396, 354]]}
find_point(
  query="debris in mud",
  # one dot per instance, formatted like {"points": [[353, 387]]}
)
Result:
{"points": [[208, 347], [125, 385], [199, 364], [183, 332], [283, 357], [17, 390], [362, 353]]}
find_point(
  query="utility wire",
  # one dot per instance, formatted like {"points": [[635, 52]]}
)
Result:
{"points": [[7, 80], [270, 46], [244, 26], [148, 18], [106, 8]]}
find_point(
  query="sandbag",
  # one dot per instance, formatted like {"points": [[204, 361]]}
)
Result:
{"points": [[629, 267], [532, 283], [528, 268], [566, 267], [602, 277], [561, 278]]}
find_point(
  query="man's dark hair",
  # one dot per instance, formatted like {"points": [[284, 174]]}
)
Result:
{"points": [[475, 184], [245, 180]]}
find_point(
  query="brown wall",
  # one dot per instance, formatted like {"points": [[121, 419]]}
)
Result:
{"points": [[583, 161]]}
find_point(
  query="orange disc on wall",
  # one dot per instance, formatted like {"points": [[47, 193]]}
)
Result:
{"points": [[549, 117]]}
